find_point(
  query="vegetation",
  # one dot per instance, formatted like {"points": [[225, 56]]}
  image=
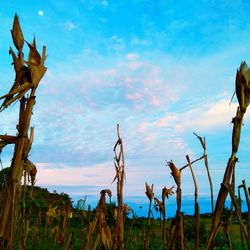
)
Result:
{"points": [[33, 218]]}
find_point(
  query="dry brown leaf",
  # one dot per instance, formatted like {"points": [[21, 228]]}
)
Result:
{"points": [[37, 73], [150, 191], [166, 192], [106, 236], [17, 34], [175, 173], [34, 56]]}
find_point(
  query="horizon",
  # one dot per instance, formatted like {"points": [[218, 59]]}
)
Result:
{"points": [[161, 70]]}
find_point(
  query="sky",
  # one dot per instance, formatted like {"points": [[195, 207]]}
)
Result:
{"points": [[160, 69]]}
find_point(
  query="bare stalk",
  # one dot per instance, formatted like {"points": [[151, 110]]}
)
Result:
{"points": [[150, 194], [179, 228], [238, 212], [203, 144], [226, 232], [99, 225], [196, 207], [120, 175]]}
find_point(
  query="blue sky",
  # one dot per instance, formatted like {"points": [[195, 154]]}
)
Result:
{"points": [[161, 69]]}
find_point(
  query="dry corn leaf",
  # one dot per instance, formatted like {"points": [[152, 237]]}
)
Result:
{"points": [[44, 56], [17, 34], [16, 62], [106, 236], [126, 208], [37, 73], [150, 191], [51, 212], [166, 192], [242, 86], [34, 56], [159, 204], [175, 173], [24, 86], [15, 98], [97, 240]]}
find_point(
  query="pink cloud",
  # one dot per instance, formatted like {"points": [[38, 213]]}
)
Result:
{"points": [[134, 97], [132, 56], [134, 65], [149, 138], [99, 175], [143, 126], [156, 101]]}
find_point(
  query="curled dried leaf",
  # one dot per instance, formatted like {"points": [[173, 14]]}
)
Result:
{"points": [[34, 56], [37, 73], [159, 204], [106, 236], [175, 173], [166, 192], [126, 209], [150, 191], [17, 34], [16, 62], [242, 86]]}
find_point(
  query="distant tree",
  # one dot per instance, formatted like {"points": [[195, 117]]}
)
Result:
{"points": [[80, 204]]}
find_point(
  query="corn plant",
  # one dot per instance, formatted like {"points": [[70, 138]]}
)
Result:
{"points": [[166, 192], [28, 74], [99, 226], [150, 194], [120, 176], [204, 146], [178, 236], [196, 206], [242, 90]]}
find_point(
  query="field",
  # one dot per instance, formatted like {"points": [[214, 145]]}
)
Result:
{"points": [[44, 231], [33, 218]]}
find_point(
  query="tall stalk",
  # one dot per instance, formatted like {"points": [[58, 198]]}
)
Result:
{"points": [[178, 236], [150, 194], [120, 175], [28, 75], [242, 89], [166, 192], [99, 226], [196, 207], [204, 146]]}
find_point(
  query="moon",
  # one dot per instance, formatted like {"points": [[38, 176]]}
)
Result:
{"points": [[40, 13]]}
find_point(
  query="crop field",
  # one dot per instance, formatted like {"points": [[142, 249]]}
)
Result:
{"points": [[33, 218]]}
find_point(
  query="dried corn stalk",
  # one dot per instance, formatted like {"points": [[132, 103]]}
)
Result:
{"points": [[203, 144], [99, 226], [242, 89], [196, 207], [166, 192], [28, 75], [120, 175], [150, 194], [178, 236]]}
